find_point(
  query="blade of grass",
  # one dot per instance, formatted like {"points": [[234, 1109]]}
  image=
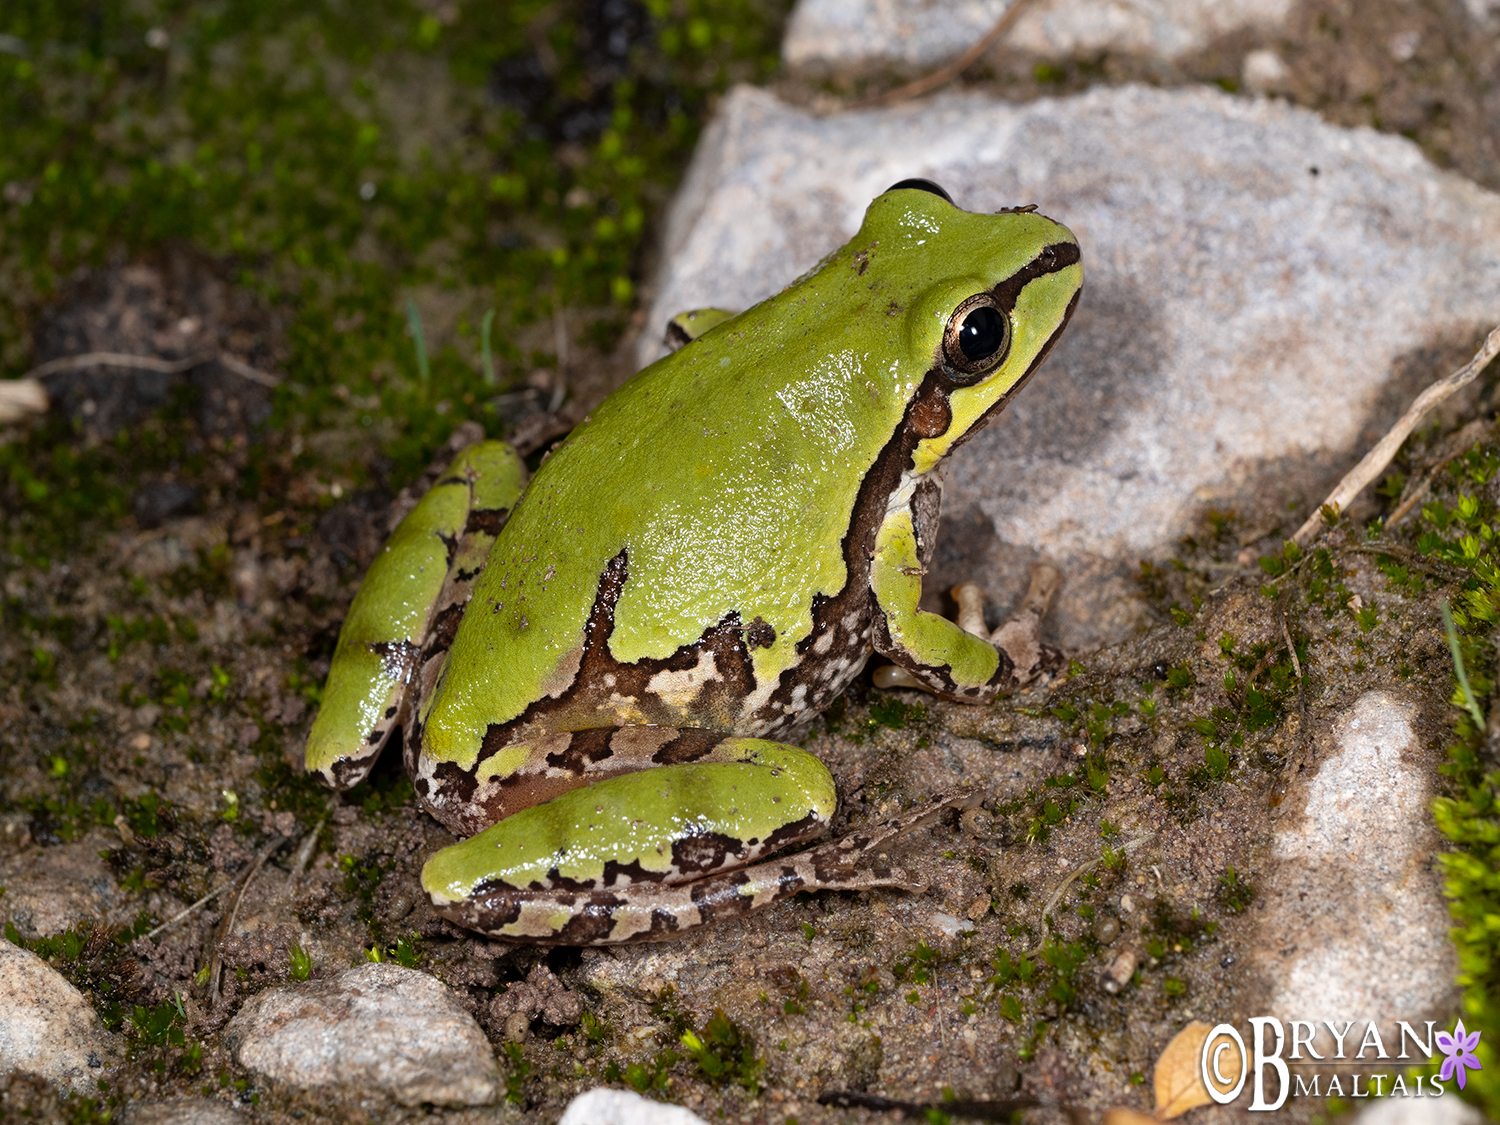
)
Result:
{"points": [[486, 355], [418, 340], [1458, 665]]}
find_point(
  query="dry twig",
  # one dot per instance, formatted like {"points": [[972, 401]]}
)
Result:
{"points": [[216, 963], [1374, 462], [151, 363], [1127, 848], [945, 74], [1452, 448]]}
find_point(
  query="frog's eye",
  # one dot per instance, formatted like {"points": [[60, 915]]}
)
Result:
{"points": [[921, 185], [977, 338]]}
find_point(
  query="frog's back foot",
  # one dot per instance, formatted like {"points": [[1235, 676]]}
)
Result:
{"points": [[661, 912]]}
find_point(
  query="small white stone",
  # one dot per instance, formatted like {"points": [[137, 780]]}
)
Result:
{"points": [[47, 1027], [1403, 45], [1263, 72], [1352, 923], [1420, 1111], [949, 926], [182, 1111], [378, 1026], [603, 1106]]}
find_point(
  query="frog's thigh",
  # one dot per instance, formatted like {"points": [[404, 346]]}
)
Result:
{"points": [[935, 650], [668, 825], [380, 642]]}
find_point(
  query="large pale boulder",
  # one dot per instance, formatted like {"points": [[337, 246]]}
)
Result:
{"points": [[862, 35], [1253, 278]]}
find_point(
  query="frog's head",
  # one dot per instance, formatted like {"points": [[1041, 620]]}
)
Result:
{"points": [[983, 299]]}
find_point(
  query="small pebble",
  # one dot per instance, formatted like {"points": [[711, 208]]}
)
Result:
{"points": [[978, 823], [1127, 904], [1106, 929], [377, 1028], [1120, 970], [949, 926], [978, 908], [517, 1027]]}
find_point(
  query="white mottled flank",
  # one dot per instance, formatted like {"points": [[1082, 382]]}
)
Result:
{"points": [[861, 34], [48, 1028], [603, 1106], [378, 1027], [1353, 923], [1419, 1111], [1237, 308]]}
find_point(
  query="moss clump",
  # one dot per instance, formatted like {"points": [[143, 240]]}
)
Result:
{"points": [[338, 160]]}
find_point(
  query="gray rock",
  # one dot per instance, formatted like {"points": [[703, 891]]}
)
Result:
{"points": [[1253, 275], [861, 35], [602, 1106], [1351, 919], [47, 1027], [380, 1027], [182, 1111], [47, 890]]}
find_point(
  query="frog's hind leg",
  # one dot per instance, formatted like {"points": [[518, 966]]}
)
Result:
{"points": [[736, 802], [660, 911], [425, 568]]}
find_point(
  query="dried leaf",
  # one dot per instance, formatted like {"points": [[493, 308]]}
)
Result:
{"points": [[1122, 1116], [1178, 1081]]}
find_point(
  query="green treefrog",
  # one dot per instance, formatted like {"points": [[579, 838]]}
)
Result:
{"points": [[597, 672]]}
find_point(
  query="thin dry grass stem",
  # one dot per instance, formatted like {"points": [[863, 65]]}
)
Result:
{"points": [[1452, 448], [1374, 462], [151, 363], [945, 74], [213, 894], [216, 963], [1127, 848]]}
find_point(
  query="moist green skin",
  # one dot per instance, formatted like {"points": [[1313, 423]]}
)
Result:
{"points": [[704, 564]]}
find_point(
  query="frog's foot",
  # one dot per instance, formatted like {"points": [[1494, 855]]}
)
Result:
{"points": [[659, 911], [1018, 638]]}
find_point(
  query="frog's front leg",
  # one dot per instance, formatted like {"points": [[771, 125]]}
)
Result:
{"points": [[431, 556], [962, 659]]}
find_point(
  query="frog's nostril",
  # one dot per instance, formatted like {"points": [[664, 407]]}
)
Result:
{"points": [[921, 185]]}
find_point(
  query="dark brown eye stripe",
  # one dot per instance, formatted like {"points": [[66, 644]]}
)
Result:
{"points": [[1054, 258]]}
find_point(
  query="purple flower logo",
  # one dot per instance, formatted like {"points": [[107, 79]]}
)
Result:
{"points": [[1459, 1047]]}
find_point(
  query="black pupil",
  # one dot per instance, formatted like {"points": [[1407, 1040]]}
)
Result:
{"points": [[982, 333]]}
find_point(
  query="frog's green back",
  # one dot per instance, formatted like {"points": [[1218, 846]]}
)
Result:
{"points": [[727, 472]]}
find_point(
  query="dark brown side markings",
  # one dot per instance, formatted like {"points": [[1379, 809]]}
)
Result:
{"points": [[708, 851], [760, 634], [584, 747], [600, 676], [688, 746], [486, 520]]}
